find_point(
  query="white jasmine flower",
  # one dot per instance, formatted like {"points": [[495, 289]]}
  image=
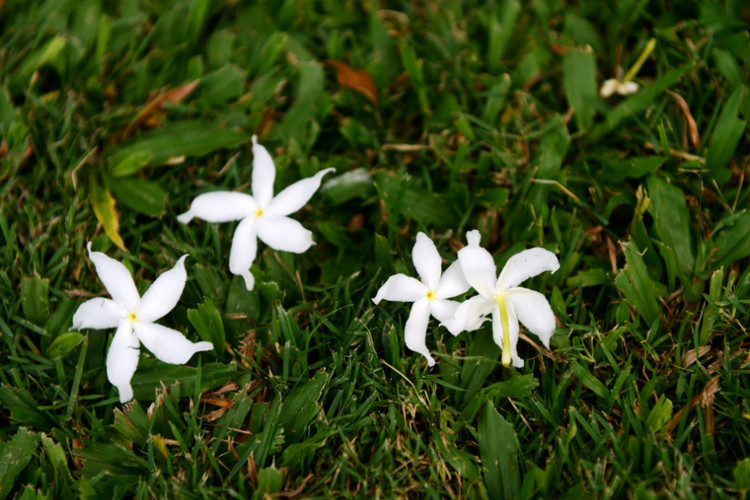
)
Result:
{"points": [[503, 298], [613, 85], [626, 85], [429, 295], [134, 318], [261, 215]]}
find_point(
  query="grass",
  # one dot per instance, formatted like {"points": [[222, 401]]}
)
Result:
{"points": [[477, 115]]}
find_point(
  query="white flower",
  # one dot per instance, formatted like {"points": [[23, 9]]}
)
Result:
{"points": [[134, 317], [429, 295], [613, 85], [626, 85], [261, 215], [503, 298]]}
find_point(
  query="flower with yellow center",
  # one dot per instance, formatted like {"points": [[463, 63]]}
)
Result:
{"points": [[429, 295], [502, 298], [134, 317], [262, 216]]}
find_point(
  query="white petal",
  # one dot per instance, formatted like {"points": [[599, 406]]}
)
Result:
{"points": [[627, 88], [98, 313], [443, 310], [497, 334], [296, 195], [608, 87], [122, 360], [470, 315], [427, 261], [244, 249], [533, 310], [220, 206], [116, 278], [525, 265], [401, 288], [415, 329], [477, 265], [168, 345], [264, 174], [473, 237], [452, 282], [164, 293], [283, 233]]}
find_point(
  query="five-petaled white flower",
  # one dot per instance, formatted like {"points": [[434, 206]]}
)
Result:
{"points": [[261, 215], [503, 298], [134, 317], [429, 295]]}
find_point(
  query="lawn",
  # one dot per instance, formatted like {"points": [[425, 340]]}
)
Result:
{"points": [[438, 118]]}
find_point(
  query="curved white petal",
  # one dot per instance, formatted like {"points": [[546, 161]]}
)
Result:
{"points": [[98, 313], [164, 293], [443, 310], [220, 206], [415, 329], [283, 233], [122, 360], [116, 278], [427, 261], [296, 195], [627, 88], [525, 265], [609, 87], [244, 249], [168, 345], [477, 265], [533, 310], [473, 237], [497, 334], [401, 288], [452, 282], [470, 315], [264, 174]]}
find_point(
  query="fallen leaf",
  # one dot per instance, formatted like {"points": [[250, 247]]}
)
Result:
{"points": [[355, 79], [695, 138], [692, 355], [105, 211], [705, 397], [151, 113], [214, 415]]}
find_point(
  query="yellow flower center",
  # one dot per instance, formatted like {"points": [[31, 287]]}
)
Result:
{"points": [[132, 317], [430, 295], [500, 297], [258, 212]]}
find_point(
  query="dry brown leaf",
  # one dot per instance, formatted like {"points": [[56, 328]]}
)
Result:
{"points": [[706, 398], [295, 492], [228, 387], [692, 355], [220, 402], [214, 415], [695, 138], [151, 113], [405, 148], [355, 79]]}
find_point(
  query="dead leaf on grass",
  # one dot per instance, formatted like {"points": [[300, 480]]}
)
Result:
{"points": [[355, 79], [695, 138], [152, 113]]}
